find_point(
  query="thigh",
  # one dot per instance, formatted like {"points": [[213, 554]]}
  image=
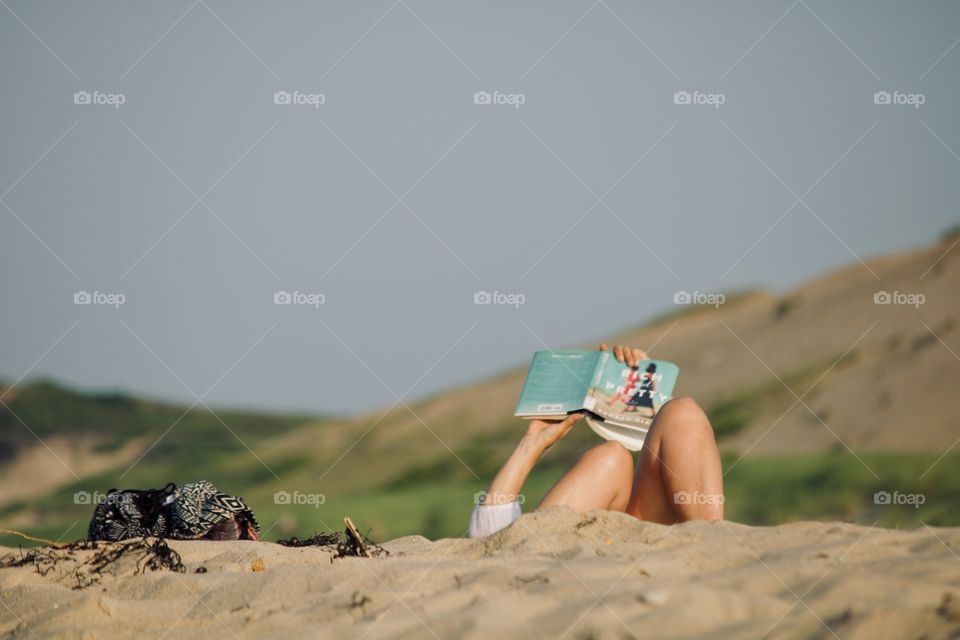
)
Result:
{"points": [[679, 459], [600, 479], [648, 496]]}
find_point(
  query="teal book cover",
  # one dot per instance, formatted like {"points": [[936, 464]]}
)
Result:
{"points": [[557, 382]]}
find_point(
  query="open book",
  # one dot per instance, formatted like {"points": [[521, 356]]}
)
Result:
{"points": [[620, 402]]}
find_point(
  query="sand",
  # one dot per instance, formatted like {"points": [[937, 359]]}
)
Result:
{"points": [[555, 574]]}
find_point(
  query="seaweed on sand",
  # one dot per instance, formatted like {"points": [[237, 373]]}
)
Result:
{"points": [[357, 545], [154, 554], [349, 543], [45, 559], [319, 539]]}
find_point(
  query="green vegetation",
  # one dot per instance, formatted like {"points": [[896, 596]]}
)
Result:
{"points": [[390, 491], [785, 306], [115, 418], [731, 414], [840, 486], [761, 491]]}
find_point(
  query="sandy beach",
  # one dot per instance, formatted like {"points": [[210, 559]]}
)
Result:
{"points": [[313, 291], [552, 574]]}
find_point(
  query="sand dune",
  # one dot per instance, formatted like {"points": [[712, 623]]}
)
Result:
{"points": [[898, 366], [552, 574], [894, 391]]}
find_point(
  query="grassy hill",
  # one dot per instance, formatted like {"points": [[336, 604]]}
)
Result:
{"points": [[820, 398]]}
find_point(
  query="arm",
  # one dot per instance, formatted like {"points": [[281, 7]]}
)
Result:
{"points": [[499, 507], [540, 436]]}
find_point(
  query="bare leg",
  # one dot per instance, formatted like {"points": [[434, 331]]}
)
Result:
{"points": [[679, 476], [600, 479]]}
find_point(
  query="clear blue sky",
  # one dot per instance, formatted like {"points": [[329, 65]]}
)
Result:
{"points": [[398, 198]]}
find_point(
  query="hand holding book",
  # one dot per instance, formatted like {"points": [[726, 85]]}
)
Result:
{"points": [[546, 433], [630, 356]]}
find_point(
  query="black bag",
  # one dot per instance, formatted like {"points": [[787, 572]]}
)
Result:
{"points": [[194, 511]]}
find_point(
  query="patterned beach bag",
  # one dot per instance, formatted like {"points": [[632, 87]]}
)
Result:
{"points": [[193, 511]]}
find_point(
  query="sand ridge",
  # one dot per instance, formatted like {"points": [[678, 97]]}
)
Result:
{"points": [[554, 573]]}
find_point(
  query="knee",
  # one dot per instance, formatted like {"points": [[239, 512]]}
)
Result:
{"points": [[683, 408], [612, 456], [687, 414]]}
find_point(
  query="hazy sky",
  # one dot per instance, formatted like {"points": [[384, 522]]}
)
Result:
{"points": [[582, 186]]}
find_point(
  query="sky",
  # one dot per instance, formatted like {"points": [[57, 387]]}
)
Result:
{"points": [[172, 173]]}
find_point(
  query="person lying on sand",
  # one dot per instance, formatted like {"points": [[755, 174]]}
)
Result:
{"points": [[678, 476]]}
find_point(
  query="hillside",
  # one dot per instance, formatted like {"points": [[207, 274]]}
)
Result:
{"points": [[821, 370]]}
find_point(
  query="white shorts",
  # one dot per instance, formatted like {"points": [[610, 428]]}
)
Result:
{"points": [[488, 519]]}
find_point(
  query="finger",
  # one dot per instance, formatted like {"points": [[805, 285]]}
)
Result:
{"points": [[568, 423], [604, 347], [631, 355], [618, 353], [639, 354], [571, 420]]}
